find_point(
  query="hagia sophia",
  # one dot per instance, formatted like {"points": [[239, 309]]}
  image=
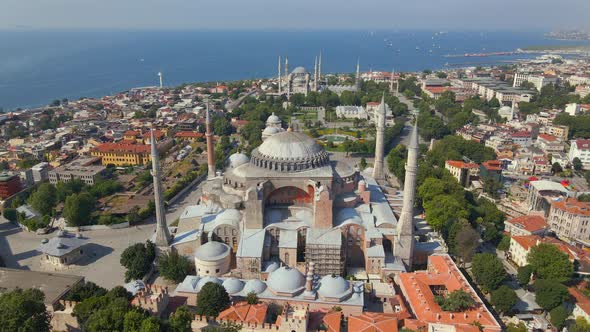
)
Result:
{"points": [[301, 230], [289, 205]]}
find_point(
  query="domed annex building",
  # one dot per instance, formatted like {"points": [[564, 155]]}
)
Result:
{"points": [[290, 204]]}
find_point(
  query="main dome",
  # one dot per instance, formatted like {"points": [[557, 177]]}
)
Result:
{"points": [[289, 152]]}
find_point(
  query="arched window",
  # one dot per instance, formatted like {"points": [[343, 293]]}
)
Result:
{"points": [[286, 258]]}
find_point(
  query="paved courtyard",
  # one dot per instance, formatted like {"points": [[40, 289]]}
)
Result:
{"points": [[101, 265]]}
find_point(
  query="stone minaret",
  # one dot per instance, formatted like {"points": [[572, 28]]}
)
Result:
{"points": [[162, 232], [315, 74], [391, 81], [358, 74], [210, 147], [320, 68], [378, 172], [404, 248], [287, 81], [280, 77]]}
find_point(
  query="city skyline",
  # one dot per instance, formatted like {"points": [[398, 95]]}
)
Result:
{"points": [[303, 15]]}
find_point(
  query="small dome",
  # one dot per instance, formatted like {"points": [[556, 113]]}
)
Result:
{"points": [[273, 119], [273, 266], [233, 285], [254, 286], [212, 251], [204, 280], [238, 159], [334, 286], [286, 280]]}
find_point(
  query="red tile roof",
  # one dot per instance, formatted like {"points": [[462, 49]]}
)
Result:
{"points": [[442, 271], [189, 134], [437, 89], [583, 144], [245, 313], [521, 134], [581, 300], [373, 322], [460, 164], [122, 148], [531, 223], [548, 138], [332, 321], [492, 165], [527, 241], [573, 206]]}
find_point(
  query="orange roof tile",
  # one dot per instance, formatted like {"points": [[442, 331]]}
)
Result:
{"points": [[373, 322], [531, 223], [189, 134], [122, 148], [442, 271], [461, 164], [245, 313], [492, 165], [526, 241], [581, 300], [548, 138], [573, 206], [332, 321]]}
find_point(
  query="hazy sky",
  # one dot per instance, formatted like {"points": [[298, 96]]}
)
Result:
{"points": [[296, 14]]}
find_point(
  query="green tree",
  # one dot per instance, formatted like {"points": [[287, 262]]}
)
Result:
{"points": [[558, 316], [78, 208], [520, 327], [132, 321], [504, 298], [577, 163], [252, 298], [150, 324], [43, 200], [550, 293], [466, 241], [174, 267], [212, 299], [222, 127], [24, 311], [363, 163], [442, 209], [548, 262], [457, 300], [138, 259], [524, 275], [180, 320], [488, 271], [82, 291], [504, 244], [580, 325], [556, 168]]}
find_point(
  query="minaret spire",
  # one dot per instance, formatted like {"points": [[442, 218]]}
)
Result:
{"points": [[162, 232], [404, 248], [358, 74], [378, 172], [210, 148], [280, 77], [315, 74], [320, 67], [392, 80], [287, 77]]}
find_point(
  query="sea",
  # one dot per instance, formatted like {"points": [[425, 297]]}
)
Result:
{"points": [[37, 67]]}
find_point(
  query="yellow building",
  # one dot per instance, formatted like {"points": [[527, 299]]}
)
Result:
{"points": [[122, 154]]}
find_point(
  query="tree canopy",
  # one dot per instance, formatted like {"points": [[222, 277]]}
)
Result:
{"points": [[138, 259], [174, 267], [504, 298], [488, 271], [212, 299], [457, 300], [550, 293], [548, 262], [24, 310]]}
